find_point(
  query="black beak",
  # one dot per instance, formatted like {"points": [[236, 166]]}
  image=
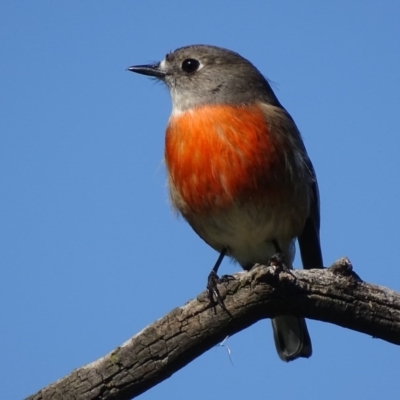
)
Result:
{"points": [[150, 70]]}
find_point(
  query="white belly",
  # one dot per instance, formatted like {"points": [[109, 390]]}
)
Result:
{"points": [[247, 232]]}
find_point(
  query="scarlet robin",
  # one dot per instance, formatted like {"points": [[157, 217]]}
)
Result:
{"points": [[237, 168]]}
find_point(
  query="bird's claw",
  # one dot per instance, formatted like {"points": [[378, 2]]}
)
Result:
{"points": [[277, 261], [214, 295]]}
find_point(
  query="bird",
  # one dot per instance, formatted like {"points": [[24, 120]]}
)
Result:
{"points": [[237, 168]]}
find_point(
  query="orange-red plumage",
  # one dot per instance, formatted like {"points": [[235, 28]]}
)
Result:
{"points": [[223, 153]]}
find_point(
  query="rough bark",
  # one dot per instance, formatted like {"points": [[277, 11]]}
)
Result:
{"points": [[336, 295]]}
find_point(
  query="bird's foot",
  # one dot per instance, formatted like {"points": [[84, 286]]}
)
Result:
{"points": [[214, 295], [277, 261]]}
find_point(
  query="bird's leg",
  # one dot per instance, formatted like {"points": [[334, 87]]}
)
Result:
{"points": [[278, 259], [277, 247], [213, 281]]}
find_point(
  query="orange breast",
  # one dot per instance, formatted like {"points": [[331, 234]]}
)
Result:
{"points": [[216, 155]]}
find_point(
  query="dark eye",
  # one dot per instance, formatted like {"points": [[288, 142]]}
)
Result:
{"points": [[190, 65]]}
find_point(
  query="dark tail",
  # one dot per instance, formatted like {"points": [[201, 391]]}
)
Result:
{"points": [[291, 337]]}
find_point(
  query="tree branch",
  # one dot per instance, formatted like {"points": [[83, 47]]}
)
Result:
{"points": [[334, 295]]}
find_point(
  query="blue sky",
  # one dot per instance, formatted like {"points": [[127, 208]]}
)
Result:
{"points": [[90, 250]]}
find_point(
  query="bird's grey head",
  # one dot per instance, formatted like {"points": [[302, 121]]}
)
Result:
{"points": [[202, 74]]}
